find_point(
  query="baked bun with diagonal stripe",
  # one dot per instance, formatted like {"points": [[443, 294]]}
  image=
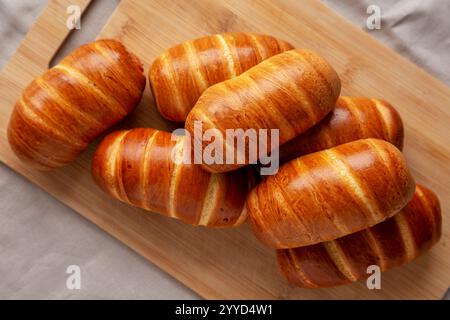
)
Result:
{"points": [[63, 110], [180, 75], [352, 118], [289, 92], [329, 194], [398, 240], [143, 167]]}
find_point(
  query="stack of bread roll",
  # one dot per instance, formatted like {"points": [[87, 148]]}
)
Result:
{"points": [[342, 200]]}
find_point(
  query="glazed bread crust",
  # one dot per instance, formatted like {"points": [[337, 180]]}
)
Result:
{"points": [[352, 118], [400, 239], [182, 73], [329, 194], [136, 166], [289, 92], [63, 110]]}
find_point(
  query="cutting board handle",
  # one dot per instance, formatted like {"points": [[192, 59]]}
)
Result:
{"points": [[47, 34]]}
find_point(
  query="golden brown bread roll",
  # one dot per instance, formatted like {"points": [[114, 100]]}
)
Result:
{"points": [[391, 243], [180, 75], [353, 118], [136, 167], [329, 194], [291, 92], [64, 109]]}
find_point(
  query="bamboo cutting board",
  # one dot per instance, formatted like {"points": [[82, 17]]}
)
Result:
{"points": [[230, 263]]}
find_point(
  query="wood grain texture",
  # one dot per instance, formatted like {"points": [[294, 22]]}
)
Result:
{"points": [[231, 262], [137, 167], [60, 112], [182, 73], [329, 194], [400, 239], [289, 92], [352, 118]]}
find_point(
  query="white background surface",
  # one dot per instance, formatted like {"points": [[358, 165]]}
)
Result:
{"points": [[40, 237]]}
